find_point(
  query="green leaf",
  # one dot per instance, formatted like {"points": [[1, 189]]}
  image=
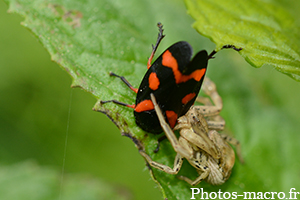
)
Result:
{"points": [[90, 38], [267, 31], [28, 181]]}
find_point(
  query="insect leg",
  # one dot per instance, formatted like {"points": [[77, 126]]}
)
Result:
{"points": [[125, 81], [228, 46], [154, 48], [118, 102], [158, 143]]}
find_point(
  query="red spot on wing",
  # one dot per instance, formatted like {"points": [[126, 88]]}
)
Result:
{"points": [[169, 61], [188, 98], [144, 106], [172, 117], [153, 81], [196, 75]]}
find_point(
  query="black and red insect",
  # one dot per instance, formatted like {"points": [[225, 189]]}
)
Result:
{"points": [[175, 81]]}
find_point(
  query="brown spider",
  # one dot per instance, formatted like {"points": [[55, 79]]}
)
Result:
{"points": [[199, 142]]}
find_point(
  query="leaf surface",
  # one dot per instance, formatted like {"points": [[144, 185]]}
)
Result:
{"points": [[267, 31]]}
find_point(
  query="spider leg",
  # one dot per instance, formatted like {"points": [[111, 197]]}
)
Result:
{"points": [[177, 163], [169, 132], [199, 161], [204, 100], [216, 123], [200, 178], [202, 141], [209, 87], [235, 143], [210, 108]]}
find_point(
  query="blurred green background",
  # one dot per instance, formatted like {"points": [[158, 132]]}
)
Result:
{"points": [[261, 108], [35, 97]]}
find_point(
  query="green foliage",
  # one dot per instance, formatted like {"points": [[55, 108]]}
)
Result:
{"points": [[266, 30], [35, 97], [27, 181], [90, 38]]}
